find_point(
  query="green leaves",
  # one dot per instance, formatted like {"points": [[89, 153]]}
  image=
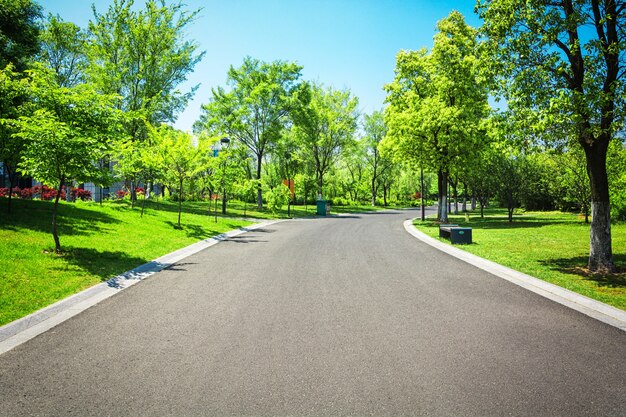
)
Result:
{"points": [[142, 56], [437, 100], [67, 131]]}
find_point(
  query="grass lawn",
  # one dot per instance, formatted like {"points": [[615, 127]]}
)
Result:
{"points": [[239, 209], [99, 243], [552, 246]]}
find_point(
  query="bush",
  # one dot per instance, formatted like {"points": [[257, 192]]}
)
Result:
{"points": [[80, 194], [4, 192], [27, 193], [120, 194]]}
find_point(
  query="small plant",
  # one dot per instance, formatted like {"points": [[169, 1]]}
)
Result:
{"points": [[120, 194]]}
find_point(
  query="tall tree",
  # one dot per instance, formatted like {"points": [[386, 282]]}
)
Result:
{"points": [[437, 103], [63, 50], [325, 124], [255, 110], [67, 131], [142, 56], [564, 60], [375, 131]]}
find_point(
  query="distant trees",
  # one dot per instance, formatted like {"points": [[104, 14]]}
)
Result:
{"points": [[325, 124], [256, 109]]}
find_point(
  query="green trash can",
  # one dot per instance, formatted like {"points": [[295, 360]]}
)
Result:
{"points": [[323, 207]]}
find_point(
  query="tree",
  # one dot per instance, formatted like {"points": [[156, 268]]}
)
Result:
{"points": [[180, 158], [143, 57], [66, 133], [375, 131], [325, 125], [63, 50], [255, 110], [437, 102], [19, 42], [564, 61], [19, 32], [13, 90]]}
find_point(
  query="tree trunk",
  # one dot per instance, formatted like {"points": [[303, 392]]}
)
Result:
{"points": [[11, 184], [600, 250], [133, 195], [259, 190], [442, 187], [55, 234], [373, 192], [456, 199], [180, 200]]}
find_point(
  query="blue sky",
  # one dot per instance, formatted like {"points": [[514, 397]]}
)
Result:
{"points": [[343, 43]]}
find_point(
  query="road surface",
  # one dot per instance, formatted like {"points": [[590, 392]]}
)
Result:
{"points": [[345, 315]]}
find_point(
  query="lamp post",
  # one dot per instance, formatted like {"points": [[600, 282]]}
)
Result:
{"points": [[225, 142]]}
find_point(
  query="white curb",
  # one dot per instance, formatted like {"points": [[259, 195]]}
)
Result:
{"points": [[19, 331], [590, 307]]}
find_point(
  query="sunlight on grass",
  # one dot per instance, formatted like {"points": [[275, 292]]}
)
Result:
{"points": [[99, 242], [552, 246]]}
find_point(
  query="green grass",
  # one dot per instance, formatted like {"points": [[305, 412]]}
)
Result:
{"points": [[239, 209], [98, 243], [552, 246]]}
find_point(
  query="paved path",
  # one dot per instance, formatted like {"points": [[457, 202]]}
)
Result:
{"points": [[339, 316]]}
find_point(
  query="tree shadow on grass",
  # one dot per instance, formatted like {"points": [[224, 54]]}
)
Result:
{"points": [[194, 230], [578, 266], [502, 223], [104, 264], [37, 215]]}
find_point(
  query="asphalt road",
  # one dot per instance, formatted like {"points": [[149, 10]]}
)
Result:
{"points": [[321, 317]]}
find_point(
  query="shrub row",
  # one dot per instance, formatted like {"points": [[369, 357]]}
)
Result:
{"points": [[46, 193]]}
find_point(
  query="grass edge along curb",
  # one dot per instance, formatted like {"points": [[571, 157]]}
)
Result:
{"points": [[583, 304], [21, 330]]}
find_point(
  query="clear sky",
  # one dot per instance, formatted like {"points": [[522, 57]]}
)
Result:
{"points": [[343, 43]]}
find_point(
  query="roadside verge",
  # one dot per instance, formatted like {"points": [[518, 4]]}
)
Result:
{"points": [[19, 331], [590, 307]]}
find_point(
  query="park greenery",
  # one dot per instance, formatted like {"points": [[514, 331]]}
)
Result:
{"points": [[523, 112]]}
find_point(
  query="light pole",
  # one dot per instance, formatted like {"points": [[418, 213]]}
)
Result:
{"points": [[225, 142], [287, 159]]}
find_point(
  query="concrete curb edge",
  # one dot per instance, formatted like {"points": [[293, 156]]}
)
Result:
{"points": [[21, 330], [590, 307]]}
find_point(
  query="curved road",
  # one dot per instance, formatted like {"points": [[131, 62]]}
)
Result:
{"points": [[346, 315]]}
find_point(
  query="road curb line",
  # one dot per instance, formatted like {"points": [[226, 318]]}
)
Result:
{"points": [[588, 306], [21, 330]]}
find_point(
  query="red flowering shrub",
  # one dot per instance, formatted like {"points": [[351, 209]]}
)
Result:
{"points": [[26, 193], [50, 194], [16, 191], [80, 194], [121, 194], [140, 190], [4, 192]]}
